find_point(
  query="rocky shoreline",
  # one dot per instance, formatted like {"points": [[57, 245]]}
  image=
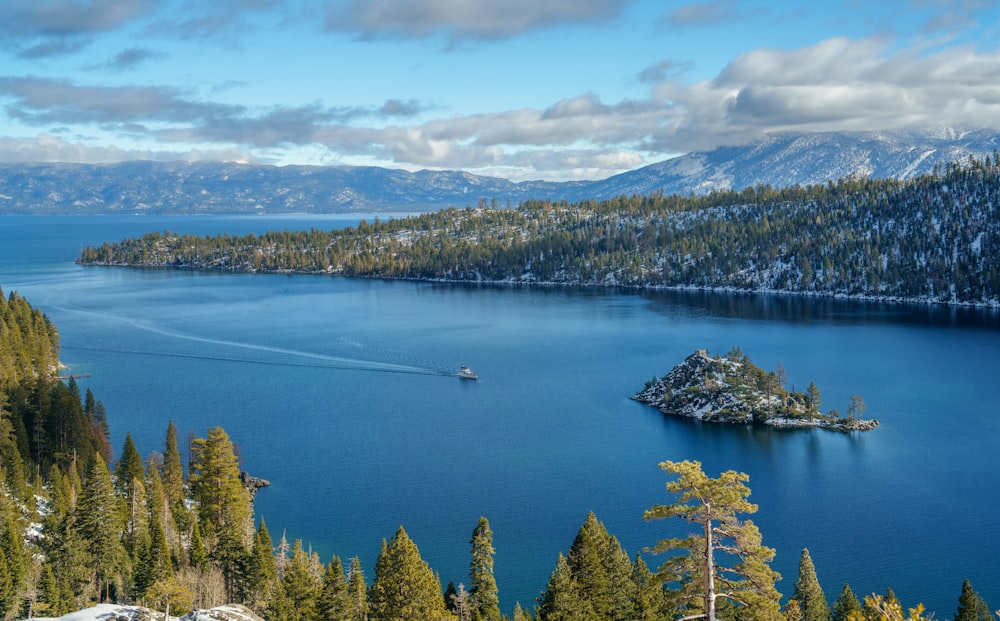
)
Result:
{"points": [[730, 389]]}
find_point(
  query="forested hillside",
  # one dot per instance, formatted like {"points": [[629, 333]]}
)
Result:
{"points": [[933, 238], [45, 422]]}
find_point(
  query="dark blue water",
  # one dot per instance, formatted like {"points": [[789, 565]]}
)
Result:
{"points": [[333, 390]]}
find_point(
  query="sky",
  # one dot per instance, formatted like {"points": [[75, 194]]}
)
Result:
{"points": [[521, 89]]}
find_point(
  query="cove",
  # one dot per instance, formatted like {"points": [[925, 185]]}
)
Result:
{"points": [[335, 391]]}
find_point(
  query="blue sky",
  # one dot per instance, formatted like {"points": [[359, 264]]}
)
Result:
{"points": [[523, 89]]}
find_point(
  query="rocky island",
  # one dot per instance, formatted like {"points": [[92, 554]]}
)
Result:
{"points": [[731, 389]]}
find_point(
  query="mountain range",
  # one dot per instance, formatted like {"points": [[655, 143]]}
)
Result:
{"points": [[146, 187]]}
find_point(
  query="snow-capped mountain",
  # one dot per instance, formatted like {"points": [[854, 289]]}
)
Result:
{"points": [[805, 159], [179, 188]]}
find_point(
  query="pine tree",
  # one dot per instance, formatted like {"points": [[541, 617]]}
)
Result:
{"points": [[67, 555], [520, 614], [649, 601], [158, 561], [845, 605], [136, 511], [301, 584], [223, 502], [142, 563], [713, 505], [602, 570], [8, 594], [793, 612], [449, 596], [280, 608], [971, 606], [405, 587], [334, 599], [98, 419], [483, 593], [173, 472], [16, 556], [808, 593], [129, 468], [262, 572], [562, 599], [169, 595], [224, 505], [357, 592], [813, 399], [98, 524], [159, 509], [197, 556], [49, 601]]}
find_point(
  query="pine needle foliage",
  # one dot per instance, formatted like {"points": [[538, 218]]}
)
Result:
{"points": [[726, 560], [808, 592], [405, 587]]}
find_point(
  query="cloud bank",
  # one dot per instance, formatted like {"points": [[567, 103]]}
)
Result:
{"points": [[462, 20], [836, 84]]}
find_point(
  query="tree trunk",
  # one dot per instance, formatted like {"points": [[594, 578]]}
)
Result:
{"points": [[709, 567]]}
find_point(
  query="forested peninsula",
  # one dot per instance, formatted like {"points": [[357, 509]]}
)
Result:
{"points": [[935, 238]]}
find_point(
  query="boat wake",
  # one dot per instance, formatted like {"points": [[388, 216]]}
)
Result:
{"points": [[300, 358], [325, 362]]}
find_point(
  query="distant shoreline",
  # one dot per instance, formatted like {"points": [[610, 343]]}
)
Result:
{"points": [[919, 301]]}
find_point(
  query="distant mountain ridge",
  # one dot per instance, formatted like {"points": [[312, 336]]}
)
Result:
{"points": [[783, 160], [214, 188]]}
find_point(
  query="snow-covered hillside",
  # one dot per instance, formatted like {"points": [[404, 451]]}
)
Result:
{"points": [[114, 612]]}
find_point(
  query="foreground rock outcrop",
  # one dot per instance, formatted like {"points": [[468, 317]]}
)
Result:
{"points": [[731, 389]]}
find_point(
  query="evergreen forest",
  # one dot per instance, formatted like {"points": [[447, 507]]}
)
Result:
{"points": [[933, 238]]}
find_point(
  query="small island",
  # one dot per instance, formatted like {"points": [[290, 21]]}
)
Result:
{"points": [[731, 389]]}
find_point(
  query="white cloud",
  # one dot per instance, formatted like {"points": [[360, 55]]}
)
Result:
{"points": [[47, 148], [58, 18], [461, 20], [838, 84]]}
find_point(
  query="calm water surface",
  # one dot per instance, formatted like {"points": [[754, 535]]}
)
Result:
{"points": [[336, 390]]}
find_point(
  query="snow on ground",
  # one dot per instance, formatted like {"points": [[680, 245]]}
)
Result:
{"points": [[115, 612], [100, 612]]}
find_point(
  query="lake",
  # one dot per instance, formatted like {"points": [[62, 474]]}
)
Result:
{"points": [[341, 392]]}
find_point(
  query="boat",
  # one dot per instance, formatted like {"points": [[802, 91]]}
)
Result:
{"points": [[467, 373]]}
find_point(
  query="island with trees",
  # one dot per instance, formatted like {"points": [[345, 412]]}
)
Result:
{"points": [[732, 389]]}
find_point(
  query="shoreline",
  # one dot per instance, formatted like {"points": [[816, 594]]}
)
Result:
{"points": [[833, 295]]}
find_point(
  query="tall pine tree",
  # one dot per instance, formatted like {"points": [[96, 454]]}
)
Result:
{"points": [[845, 605], [714, 505], [224, 505], [483, 593], [99, 526], [173, 472], [808, 593], [649, 603], [301, 584], [334, 603], [602, 569], [562, 599], [262, 572], [357, 591], [971, 606], [405, 587]]}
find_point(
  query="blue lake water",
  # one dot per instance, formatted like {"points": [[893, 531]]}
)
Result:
{"points": [[334, 389]]}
